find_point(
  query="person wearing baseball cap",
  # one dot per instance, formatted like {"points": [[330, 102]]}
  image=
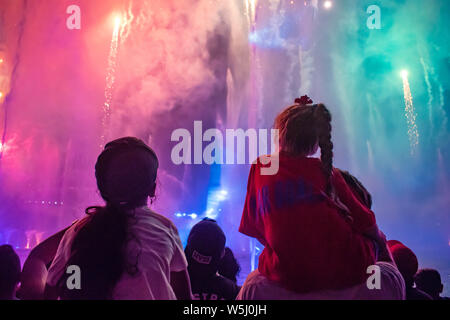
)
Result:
{"points": [[408, 265], [204, 250]]}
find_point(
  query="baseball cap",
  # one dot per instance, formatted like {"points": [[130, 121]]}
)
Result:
{"points": [[205, 243]]}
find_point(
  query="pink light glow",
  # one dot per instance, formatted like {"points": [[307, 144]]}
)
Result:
{"points": [[117, 22], [7, 146]]}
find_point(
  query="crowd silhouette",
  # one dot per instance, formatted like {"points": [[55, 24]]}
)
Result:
{"points": [[315, 221]]}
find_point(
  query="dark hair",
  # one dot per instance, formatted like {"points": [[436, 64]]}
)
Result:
{"points": [[126, 176], [358, 188], [304, 126], [229, 267], [9, 271], [429, 281]]}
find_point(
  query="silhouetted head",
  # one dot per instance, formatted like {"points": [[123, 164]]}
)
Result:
{"points": [[205, 247], [358, 189], [406, 261], [126, 172], [429, 281], [229, 267], [9, 272], [303, 127]]}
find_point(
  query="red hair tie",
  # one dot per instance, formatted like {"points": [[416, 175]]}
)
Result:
{"points": [[304, 100]]}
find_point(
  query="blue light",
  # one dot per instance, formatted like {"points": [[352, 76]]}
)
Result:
{"points": [[265, 38], [210, 213], [215, 198], [193, 215]]}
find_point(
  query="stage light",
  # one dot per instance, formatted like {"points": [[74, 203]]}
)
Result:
{"points": [[221, 195], [211, 213], [1, 147], [327, 4], [1, 94], [1, 60], [193, 215]]}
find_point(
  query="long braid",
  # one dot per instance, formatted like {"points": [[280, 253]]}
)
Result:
{"points": [[302, 128], [323, 121]]}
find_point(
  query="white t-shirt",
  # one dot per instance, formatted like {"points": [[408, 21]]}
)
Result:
{"points": [[392, 287], [161, 253]]}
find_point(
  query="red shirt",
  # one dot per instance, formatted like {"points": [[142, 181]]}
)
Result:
{"points": [[309, 245]]}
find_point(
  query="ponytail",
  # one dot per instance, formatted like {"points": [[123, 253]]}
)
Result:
{"points": [[323, 123], [98, 249]]}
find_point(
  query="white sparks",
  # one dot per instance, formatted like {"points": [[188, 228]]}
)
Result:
{"points": [[410, 114], [110, 79]]}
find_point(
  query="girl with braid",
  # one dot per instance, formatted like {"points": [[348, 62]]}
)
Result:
{"points": [[317, 234]]}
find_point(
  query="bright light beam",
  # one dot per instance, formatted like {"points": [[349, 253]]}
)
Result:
{"points": [[328, 4], [404, 74], [410, 114], [110, 78]]}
